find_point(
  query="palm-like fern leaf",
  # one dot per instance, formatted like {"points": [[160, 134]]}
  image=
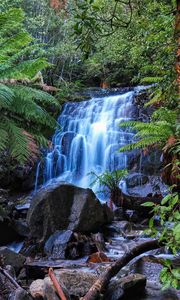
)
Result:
{"points": [[22, 108], [6, 96], [157, 132]]}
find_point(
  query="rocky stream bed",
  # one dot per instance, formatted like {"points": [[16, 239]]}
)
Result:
{"points": [[66, 228]]}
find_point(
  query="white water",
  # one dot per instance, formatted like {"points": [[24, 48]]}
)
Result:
{"points": [[89, 139]]}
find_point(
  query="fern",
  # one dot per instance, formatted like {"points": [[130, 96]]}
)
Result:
{"points": [[23, 115], [162, 126], [151, 80]]}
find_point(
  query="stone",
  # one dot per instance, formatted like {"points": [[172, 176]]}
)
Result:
{"points": [[50, 290], [37, 288], [77, 282], [62, 206], [57, 244], [19, 294], [98, 257], [16, 260], [125, 285], [133, 281], [20, 226], [133, 180], [66, 244], [113, 292]]}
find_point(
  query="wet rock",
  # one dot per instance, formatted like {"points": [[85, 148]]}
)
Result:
{"points": [[56, 246], [133, 281], [66, 244], [114, 292], [19, 294], [62, 206], [20, 226], [136, 179], [126, 285], [12, 258]]}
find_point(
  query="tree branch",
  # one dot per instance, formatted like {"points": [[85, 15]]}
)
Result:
{"points": [[99, 286]]}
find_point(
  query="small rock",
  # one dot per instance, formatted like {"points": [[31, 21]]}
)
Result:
{"points": [[37, 288], [98, 257], [132, 281], [77, 282], [50, 290], [11, 258], [118, 287]]}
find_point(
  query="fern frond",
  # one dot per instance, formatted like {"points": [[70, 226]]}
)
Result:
{"points": [[3, 139], [146, 80], [38, 96], [17, 140], [33, 112], [6, 96], [145, 142], [158, 97]]}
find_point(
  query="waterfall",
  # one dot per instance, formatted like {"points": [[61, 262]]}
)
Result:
{"points": [[89, 139]]}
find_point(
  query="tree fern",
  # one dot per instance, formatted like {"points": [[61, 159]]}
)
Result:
{"points": [[162, 126], [23, 115]]}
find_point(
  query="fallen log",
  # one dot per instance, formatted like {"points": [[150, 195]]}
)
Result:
{"points": [[99, 286]]}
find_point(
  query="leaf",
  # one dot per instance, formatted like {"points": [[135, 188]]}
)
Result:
{"points": [[148, 204]]}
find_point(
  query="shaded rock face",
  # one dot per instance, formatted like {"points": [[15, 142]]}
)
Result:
{"points": [[66, 244], [61, 206], [16, 177], [126, 285], [19, 294], [12, 258], [8, 233], [140, 185]]}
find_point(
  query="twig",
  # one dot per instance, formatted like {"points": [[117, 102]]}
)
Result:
{"points": [[56, 284], [11, 279]]}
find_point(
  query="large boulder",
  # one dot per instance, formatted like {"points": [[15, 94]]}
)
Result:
{"points": [[62, 206]]}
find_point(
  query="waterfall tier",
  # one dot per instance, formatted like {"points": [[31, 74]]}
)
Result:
{"points": [[89, 139]]}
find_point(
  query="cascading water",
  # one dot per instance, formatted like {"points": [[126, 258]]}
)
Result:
{"points": [[89, 139]]}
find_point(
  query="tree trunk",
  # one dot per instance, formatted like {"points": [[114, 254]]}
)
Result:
{"points": [[99, 286]]}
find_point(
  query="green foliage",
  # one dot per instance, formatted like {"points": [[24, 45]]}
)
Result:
{"points": [[122, 51], [169, 213], [163, 125], [23, 117], [54, 31], [109, 180]]}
